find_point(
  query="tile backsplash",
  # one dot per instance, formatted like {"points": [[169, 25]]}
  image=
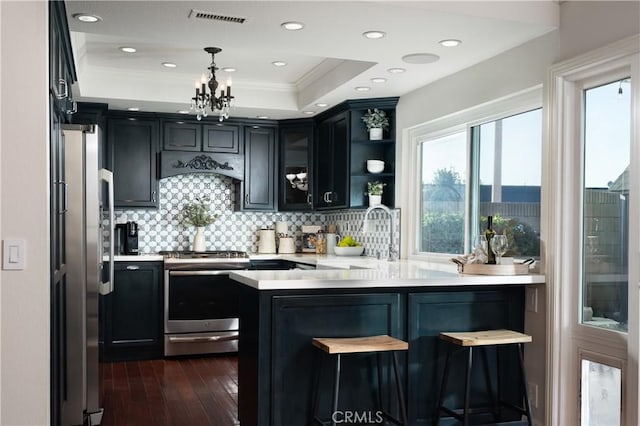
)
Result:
{"points": [[161, 229]]}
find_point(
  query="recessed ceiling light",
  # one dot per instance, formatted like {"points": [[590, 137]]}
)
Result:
{"points": [[451, 42], [363, 88], [127, 49], [262, 117], [133, 109], [85, 17], [396, 70], [378, 80], [420, 58], [182, 111], [374, 34], [229, 69], [308, 112], [279, 63], [321, 104], [292, 25], [169, 64]]}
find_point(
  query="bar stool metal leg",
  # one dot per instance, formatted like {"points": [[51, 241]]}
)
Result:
{"points": [[336, 391], [525, 392], [467, 388], [380, 394], [403, 406]]}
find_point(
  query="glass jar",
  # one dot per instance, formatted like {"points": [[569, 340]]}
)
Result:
{"points": [[321, 243]]}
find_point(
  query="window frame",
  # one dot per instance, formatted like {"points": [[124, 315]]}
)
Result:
{"points": [[514, 104]]}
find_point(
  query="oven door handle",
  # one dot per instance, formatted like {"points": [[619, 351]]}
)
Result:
{"points": [[196, 273], [176, 339]]}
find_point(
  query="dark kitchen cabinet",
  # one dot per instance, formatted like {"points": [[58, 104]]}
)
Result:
{"points": [[295, 174], [133, 152], [331, 161], [133, 313], [221, 137], [179, 135], [62, 72], [258, 190]]}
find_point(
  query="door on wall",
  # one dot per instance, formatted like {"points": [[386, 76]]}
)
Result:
{"points": [[596, 269]]}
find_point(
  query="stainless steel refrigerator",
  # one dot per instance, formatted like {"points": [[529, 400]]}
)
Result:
{"points": [[89, 210]]}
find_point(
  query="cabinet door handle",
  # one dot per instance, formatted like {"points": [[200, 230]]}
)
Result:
{"points": [[153, 196], [309, 199], [65, 199], [74, 108], [132, 267], [325, 197], [246, 199], [64, 89]]}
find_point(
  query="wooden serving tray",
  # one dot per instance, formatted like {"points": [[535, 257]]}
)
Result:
{"points": [[485, 269]]}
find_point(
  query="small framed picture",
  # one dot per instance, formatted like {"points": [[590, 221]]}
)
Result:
{"points": [[309, 233]]}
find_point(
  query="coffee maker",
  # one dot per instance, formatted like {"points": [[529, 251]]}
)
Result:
{"points": [[126, 238], [131, 238]]}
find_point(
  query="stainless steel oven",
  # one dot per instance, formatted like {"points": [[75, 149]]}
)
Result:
{"points": [[201, 302]]}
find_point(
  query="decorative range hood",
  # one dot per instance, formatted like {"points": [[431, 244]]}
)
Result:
{"points": [[174, 163]]}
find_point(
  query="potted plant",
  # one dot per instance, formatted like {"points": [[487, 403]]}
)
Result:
{"points": [[197, 213], [376, 121], [374, 191]]}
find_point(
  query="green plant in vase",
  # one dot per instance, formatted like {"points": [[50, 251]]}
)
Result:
{"points": [[197, 213], [374, 191], [376, 121]]}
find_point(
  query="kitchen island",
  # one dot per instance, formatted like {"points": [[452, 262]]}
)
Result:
{"points": [[280, 312]]}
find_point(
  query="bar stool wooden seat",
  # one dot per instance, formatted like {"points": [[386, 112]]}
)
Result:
{"points": [[337, 347], [483, 339]]}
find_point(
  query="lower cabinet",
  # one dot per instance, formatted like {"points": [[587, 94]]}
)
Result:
{"points": [[132, 315]]}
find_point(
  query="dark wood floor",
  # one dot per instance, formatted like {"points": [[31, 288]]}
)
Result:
{"points": [[175, 392]]}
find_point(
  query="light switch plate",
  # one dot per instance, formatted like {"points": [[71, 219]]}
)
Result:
{"points": [[14, 255]]}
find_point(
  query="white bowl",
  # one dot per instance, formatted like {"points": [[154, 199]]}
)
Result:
{"points": [[375, 166], [349, 251]]}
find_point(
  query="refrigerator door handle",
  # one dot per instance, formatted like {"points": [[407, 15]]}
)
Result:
{"points": [[106, 287]]}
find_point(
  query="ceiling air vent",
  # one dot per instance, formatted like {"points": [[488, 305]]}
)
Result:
{"points": [[215, 17]]}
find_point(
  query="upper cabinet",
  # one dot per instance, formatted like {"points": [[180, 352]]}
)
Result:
{"points": [[179, 135], [62, 73], [294, 178], [331, 161], [182, 135], [133, 153], [221, 137], [258, 190]]}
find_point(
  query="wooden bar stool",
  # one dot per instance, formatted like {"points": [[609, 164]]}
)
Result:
{"points": [[353, 345], [483, 339]]}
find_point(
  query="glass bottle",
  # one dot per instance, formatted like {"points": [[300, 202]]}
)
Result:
{"points": [[489, 233]]}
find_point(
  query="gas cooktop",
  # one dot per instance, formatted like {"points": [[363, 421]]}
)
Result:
{"points": [[216, 254], [205, 260]]}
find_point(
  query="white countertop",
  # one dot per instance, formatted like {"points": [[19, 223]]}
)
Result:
{"points": [[366, 272]]}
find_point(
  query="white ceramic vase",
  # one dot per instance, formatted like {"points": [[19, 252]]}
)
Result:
{"points": [[199, 243], [375, 200], [375, 134]]}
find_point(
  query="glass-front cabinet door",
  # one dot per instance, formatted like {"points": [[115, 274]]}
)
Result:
{"points": [[295, 167]]}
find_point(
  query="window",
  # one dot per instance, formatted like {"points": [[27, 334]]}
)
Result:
{"points": [[605, 200], [501, 171]]}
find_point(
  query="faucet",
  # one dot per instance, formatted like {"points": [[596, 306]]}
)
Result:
{"points": [[393, 254]]}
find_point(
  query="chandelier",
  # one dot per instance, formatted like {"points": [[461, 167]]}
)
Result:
{"points": [[207, 99]]}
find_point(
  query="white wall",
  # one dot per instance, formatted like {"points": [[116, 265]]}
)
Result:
{"points": [[24, 212]]}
